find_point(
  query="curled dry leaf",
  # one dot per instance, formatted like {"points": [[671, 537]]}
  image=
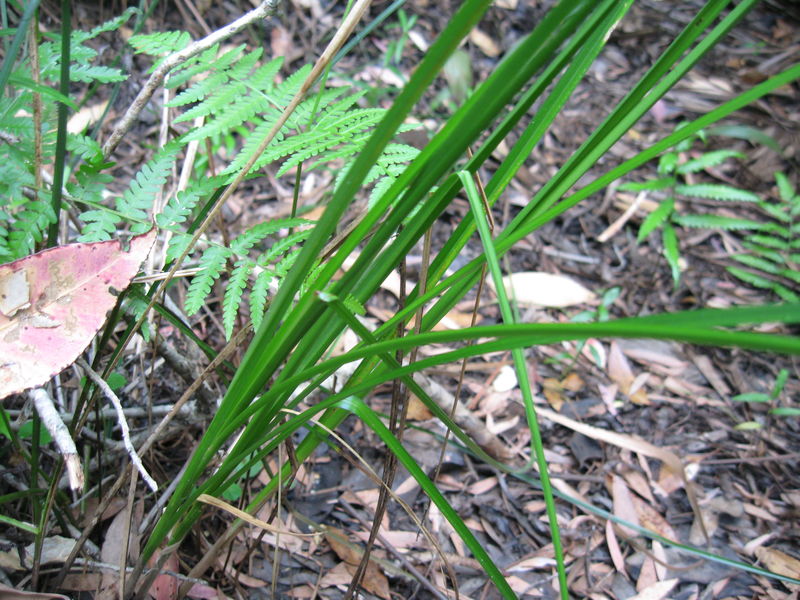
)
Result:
{"points": [[54, 302], [533, 288], [7, 593]]}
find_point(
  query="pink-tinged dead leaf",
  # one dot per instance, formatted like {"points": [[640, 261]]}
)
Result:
{"points": [[614, 550], [203, 592], [594, 350], [165, 587], [651, 519], [656, 591], [620, 372], [638, 483], [483, 486], [8, 593], [54, 302], [647, 575], [623, 504]]}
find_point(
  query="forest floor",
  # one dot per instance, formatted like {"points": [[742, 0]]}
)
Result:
{"points": [[676, 397]]}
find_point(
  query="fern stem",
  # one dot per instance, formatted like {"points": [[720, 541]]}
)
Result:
{"points": [[11, 55], [61, 137]]}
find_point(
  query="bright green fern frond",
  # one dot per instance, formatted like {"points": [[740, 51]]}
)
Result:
{"points": [[656, 218], [212, 263], [79, 37], [258, 296], [92, 73], [84, 147], [223, 97], [282, 246], [785, 189], [769, 241], [758, 262], [177, 244], [379, 189], [245, 107], [15, 176], [233, 294], [162, 42], [245, 241], [219, 75], [709, 159], [181, 205], [716, 222], [138, 198], [29, 226], [716, 192], [136, 202]]}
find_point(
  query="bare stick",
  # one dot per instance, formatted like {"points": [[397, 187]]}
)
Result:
{"points": [[60, 434], [123, 423], [265, 9]]}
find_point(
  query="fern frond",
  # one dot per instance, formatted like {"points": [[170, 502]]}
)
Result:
{"points": [[136, 302], [785, 189], [29, 226], [661, 183], [225, 94], [177, 244], [716, 192], [15, 176], [205, 62], [180, 205], [709, 159], [138, 198], [258, 297], [779, 212], [92, 73], [84, 147], [715, 222], [136, 201], [769, 241], [233, 294], [656, 218], [162, 42], [379, 189], [212, 264], [246, 240], [758, 262], [244, 109], [113, 24]]}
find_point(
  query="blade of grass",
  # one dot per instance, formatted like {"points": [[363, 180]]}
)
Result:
{"points": [[521, 368]]}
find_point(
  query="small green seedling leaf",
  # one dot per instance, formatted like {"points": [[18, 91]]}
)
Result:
{"points": [[752, 397], [26, 433], [785, 411]]}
